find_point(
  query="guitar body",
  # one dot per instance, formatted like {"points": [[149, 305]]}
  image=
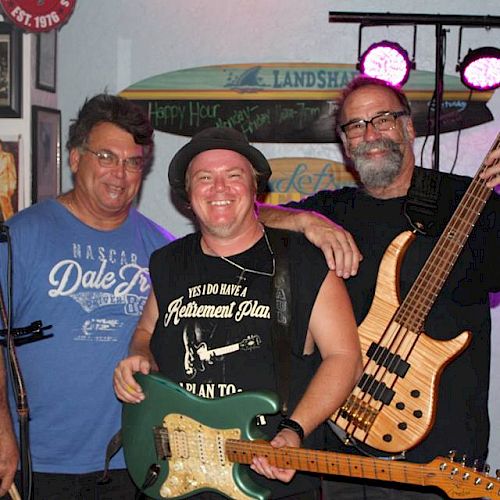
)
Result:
{"points": [[195, 464], [393, 412]]}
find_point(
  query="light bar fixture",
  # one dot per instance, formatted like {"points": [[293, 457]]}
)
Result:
{"points": [[480, 69], [386, 61]]}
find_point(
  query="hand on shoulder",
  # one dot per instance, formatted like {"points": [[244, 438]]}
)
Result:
{"points": [[337, 244]]}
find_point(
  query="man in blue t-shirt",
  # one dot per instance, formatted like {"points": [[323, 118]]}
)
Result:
{"points": [[80, 264]]}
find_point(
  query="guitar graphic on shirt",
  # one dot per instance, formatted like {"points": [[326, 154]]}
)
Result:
{"points": [[197, 354]]}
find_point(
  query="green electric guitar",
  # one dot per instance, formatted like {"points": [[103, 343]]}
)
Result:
{"points": [[177, 444]]}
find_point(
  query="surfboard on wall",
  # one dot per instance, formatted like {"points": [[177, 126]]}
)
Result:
{"points": [[286, 102]]}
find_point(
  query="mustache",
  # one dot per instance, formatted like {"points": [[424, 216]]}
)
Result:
{"points": [[383, 144]]}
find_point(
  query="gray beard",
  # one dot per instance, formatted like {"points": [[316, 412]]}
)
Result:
{"points": [[377, 172]]}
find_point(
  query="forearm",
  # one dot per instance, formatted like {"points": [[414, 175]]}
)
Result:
{"points": [[327, 391], [4, 407], [139, 345], [8, 445], [6, 429], [286, 218], [338, 246]]}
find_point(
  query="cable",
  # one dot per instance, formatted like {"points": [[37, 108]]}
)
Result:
{"points": [[457, 145]]}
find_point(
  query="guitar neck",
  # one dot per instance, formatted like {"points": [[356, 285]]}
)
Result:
{"points": [[423, 293], [454, 478], [325, 462]]}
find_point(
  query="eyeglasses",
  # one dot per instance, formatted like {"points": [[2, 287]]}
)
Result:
{"points": [[382, 122], [107, 159]]}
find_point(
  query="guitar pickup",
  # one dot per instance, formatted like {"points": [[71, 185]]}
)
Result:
{"points": [[380, 391], [162, 443], [384, 357]]}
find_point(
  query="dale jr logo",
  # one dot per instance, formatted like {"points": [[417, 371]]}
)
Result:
{"points": [[256, 78]]}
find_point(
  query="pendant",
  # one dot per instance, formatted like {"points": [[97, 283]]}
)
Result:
{"points": [[241, 277]]}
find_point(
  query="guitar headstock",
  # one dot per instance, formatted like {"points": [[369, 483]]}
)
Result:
{"points": [[459, 481], [250, 342]]}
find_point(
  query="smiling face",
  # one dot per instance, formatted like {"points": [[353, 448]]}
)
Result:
{"points": [[379, 157], [106, 192], [221, 189]]}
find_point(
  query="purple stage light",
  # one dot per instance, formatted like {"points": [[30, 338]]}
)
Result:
{"points": [[386, 61], [480, 69]]}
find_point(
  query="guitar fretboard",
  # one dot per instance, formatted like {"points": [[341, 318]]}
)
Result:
{"points": [[323, 462], [455, 479], [422, 295]]}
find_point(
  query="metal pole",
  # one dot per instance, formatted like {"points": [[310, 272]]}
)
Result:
{"points": [[438, 98], [373, 19]]}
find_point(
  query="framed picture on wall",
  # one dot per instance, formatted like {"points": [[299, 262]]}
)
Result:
{"points": [[10, 71], [46, 153], [46, 60], [9, 176]]}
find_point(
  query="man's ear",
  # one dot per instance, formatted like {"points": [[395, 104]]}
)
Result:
{"points": [[345, 144], [74, 159], [410, 129]]}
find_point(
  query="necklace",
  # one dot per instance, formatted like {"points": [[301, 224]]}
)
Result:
{"points": [[67, 200], [244, 270]]}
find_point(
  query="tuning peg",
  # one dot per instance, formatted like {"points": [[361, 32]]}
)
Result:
{"points": [[475, 464], [451, 455], [464, 459], [486, 469], [497, 473]]}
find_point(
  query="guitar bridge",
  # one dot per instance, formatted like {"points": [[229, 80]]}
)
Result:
{"points": [[358, 413], [162, 443]]}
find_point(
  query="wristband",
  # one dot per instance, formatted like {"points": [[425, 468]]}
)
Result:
{"points": [[288, 423]]}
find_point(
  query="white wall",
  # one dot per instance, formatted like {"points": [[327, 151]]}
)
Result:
{"points": [[114, 43]]}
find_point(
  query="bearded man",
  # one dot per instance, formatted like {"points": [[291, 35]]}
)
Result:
{"points": [[377, 134]]}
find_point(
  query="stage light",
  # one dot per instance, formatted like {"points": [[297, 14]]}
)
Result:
{"points": [[386, 61], [480, 69]]}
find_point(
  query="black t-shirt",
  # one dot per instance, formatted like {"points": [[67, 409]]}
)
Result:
{"points": [[462, 420], [213, 336]]}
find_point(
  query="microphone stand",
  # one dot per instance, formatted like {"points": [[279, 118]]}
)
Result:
{"points": [[34, 330], [16, 375], [17, 378]]}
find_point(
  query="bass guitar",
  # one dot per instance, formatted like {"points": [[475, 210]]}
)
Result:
{"points": [[392, 408], [176, 444]]}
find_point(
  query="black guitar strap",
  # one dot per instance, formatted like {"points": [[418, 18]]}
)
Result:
{"points": [[281, 316], [421, 206]]}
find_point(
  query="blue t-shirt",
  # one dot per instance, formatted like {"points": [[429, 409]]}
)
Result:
{"points": [[91, 286]]}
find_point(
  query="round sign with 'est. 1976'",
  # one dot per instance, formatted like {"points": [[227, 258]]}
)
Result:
{"points": [[38, 15]]}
